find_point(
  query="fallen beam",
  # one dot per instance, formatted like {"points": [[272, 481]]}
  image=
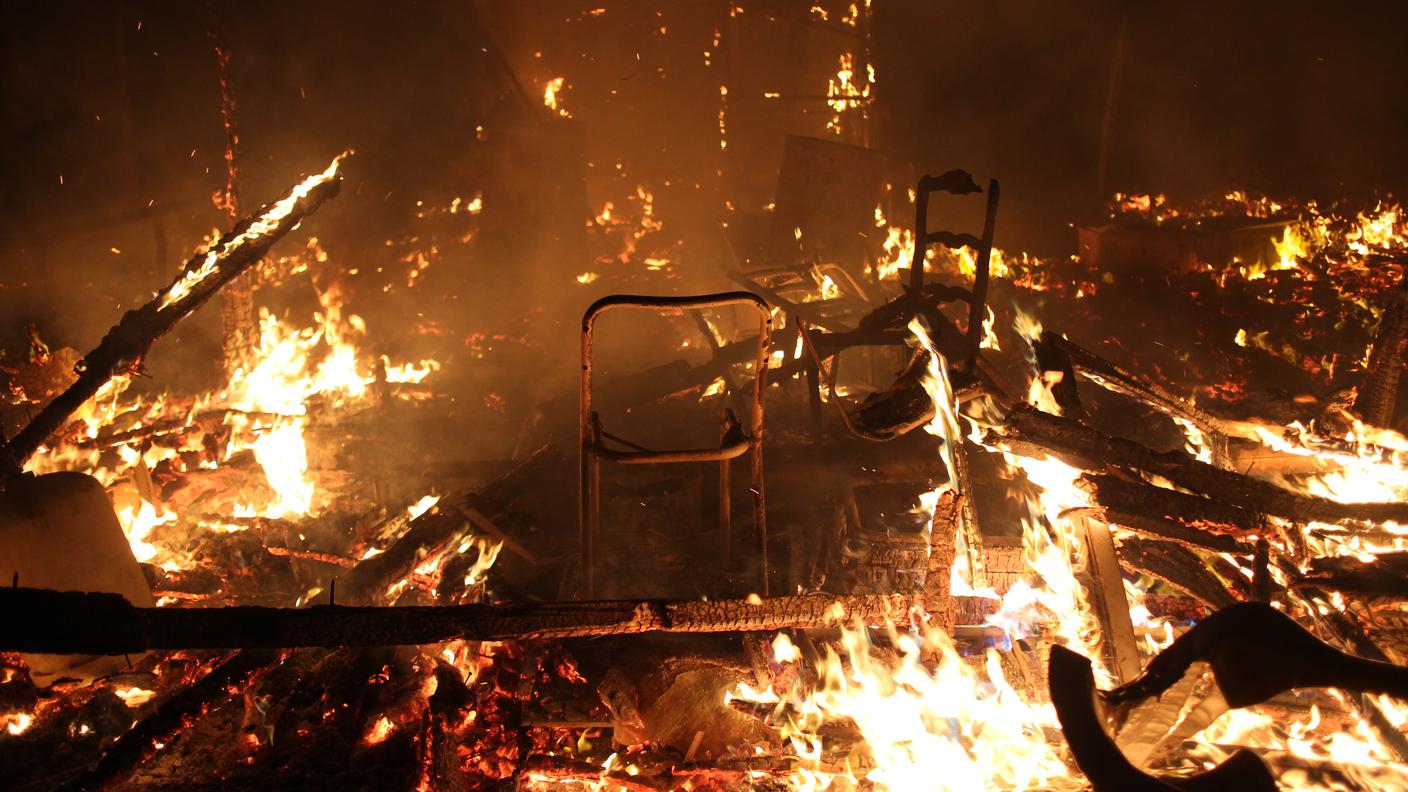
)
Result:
{"points": [[70, 622], [1032, 432], [1384, 577], [1177, 566], [444, 523], [1114, 378], [1185, 518]]}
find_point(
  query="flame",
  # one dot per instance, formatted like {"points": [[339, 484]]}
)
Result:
{"points": [[260, 227], [550, 96], [134, 696], [138, 524], [379, 731], [929, 719], [422, 506], [847, 91], [17, 723]]}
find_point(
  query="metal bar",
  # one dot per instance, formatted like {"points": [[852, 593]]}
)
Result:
{"points": [[732, 451], [590, 432], [728, 427]]}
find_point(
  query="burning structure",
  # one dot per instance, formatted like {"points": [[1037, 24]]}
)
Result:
{"points": [[857, 495]]}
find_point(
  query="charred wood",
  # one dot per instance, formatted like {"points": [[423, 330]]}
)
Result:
{"points": [[63, 622], [1114, 378], [1202, 521], [1177, 566], [132, 337], [1384, 577], [441, 525], [1031, 432], [176, 713], [1378, 393]]}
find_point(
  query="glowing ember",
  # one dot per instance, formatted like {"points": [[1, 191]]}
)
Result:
{"points": [[17, 723]]}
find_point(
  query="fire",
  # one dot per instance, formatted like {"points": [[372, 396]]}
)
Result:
{"points": [[848, 92], [134, 696], [264, 224], [138, 524], [422, 506], [929, 719], [17, 723], [550, 96], [283, 454]]}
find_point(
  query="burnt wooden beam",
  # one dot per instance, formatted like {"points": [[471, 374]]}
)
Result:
{"points": [[68, 622], [1377, 395], [1177, 566], [1031, 432], [1119, 380], [175, 714], [1200, 516], [1385, 577], [205, 274], [446, 522]]}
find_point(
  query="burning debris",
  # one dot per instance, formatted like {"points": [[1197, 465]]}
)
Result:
{"points": [[1022, 525]]}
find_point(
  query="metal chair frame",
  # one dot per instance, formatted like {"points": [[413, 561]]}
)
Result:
{"points": [[734, 442]]}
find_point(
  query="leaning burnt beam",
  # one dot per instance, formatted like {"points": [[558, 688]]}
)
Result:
{"points": [[1177, 566], [1114, 378], [123, 348], [1030, 432], [192, 703], [67, 622]]}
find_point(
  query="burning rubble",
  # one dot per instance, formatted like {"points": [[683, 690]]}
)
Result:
{"points": [[1008, 521]]}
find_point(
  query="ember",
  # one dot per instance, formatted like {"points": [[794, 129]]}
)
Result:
{"points": [[989, 413]]}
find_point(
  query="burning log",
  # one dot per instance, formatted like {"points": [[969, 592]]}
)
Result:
{"points": [[439, 526], [943, 532], [1031, 432], [40, 620], [1177, 566], [138, 744], [1384, 577], [1168, 514], [1378, 393], [128, 341], [1114, 378]]}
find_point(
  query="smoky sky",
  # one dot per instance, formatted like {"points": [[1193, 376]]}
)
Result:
{"points": [[111, 142]]}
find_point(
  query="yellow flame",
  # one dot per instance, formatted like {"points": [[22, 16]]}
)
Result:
{"points": [[550, 96], [260, 227]]}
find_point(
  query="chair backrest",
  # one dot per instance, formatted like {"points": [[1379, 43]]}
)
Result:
{"points": [[956, 182]]}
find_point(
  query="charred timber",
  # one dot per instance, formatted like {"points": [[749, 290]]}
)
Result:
{"points": [[139, 743], [1177, 566], [442, 524], [1185, 518], [1378, 394], [1114, 378], [123, 348], [1031, 432], [69, 622], [1384, 577]]}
